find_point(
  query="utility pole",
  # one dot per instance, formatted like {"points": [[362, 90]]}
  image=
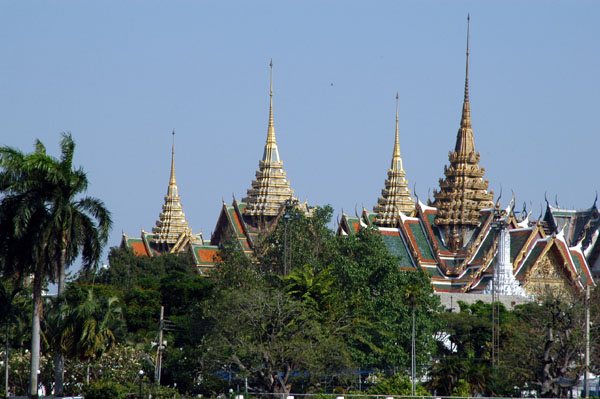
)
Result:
{"points": [[158, 362], [586, 376], [498, 225], [6, 364], [413, 354]]}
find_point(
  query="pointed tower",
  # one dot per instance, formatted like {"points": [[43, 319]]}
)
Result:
{"points": [[270, 189], [396, 194], [171, 223], [463, 192]]}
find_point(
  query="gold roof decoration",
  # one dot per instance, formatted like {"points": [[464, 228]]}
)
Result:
{"points": [[463, 192], [270, 189], [171, 223], [395, 197]]}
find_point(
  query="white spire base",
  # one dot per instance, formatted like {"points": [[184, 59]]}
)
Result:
{"points": [[504, 281]]}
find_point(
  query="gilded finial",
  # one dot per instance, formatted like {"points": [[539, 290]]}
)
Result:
{"points": [[397, 142], [271, 128], [467, 65], [172, 178]]}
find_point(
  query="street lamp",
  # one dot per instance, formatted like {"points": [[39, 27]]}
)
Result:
{"points": [[141, 375]]}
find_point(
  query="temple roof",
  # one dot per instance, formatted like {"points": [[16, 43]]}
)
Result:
{"points": [[171, 223], [395, 197], [463, 192], [576, 225], [417, 244], [270, 189]]}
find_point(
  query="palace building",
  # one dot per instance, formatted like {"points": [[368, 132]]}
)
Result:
{"points": [[468, 244], [462, 239]]}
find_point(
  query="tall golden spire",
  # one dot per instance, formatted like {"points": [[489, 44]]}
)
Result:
{"points": [[464, 139], [463, 193], [172, 190], [396, 194], [171, 222], [270, 189], [271, 152]]}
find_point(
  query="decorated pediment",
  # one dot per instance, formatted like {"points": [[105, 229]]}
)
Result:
{"points": [[547, 276]]}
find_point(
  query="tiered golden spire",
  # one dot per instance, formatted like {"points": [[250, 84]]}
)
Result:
{"points": [[270, 189], [463, 193], [171, 222], [396, 194]]}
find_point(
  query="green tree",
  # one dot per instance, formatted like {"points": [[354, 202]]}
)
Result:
{"points": [[372, 287], [86, 333], [267, 336], [79, 225], [350, 286], [25, 230], [550, 346], [464, 351]]}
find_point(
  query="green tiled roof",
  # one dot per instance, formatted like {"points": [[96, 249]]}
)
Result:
{"points": [[397, 247], [432, 270], [371, 216], [204, 262], [485, 245], [351, 221], [517, 241], [530, 261], [436, 232], [579, 267], [421, 240]]}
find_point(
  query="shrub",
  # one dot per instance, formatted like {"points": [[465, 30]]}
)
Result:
{"points": [[396, 385], [105, 390]]}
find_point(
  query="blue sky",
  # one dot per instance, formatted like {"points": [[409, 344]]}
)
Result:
{"points": [[121, 75]]}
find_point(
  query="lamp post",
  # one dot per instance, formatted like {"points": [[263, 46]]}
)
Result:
{"points": [[141, 375]]}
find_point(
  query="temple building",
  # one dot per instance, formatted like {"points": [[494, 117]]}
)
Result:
{"points": [[172, 234], [580, 229], [266, 201], [468, 244]]}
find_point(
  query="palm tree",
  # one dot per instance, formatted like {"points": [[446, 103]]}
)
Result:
{"points": [[83, 323], [40, 200], [78, 226], [24, 219]]}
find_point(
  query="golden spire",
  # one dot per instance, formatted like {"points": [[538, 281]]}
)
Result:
{"points": [[171, 222], [271, 152], [396, 194], [172, 184], [270, 189], [464, 139], [463, 192], [397, 158]]}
